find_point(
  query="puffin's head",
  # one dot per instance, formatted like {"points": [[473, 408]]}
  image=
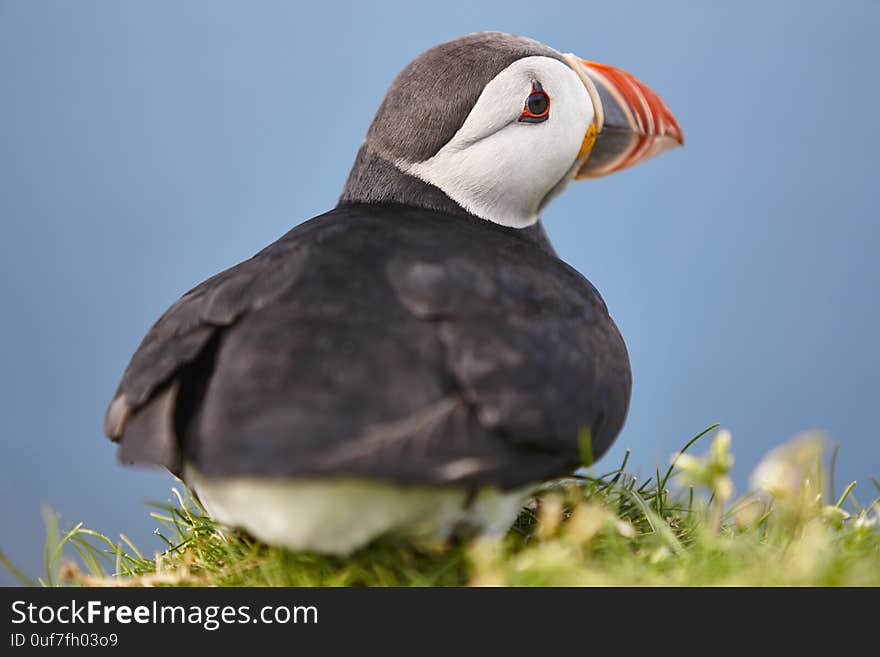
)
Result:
{"points": [[501, 124]]}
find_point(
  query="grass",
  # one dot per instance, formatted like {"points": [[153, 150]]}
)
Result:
{"points": [[679, 527]]}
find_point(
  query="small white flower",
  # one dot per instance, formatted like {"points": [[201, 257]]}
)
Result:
{"points": [[712, 470], [625, 528], [865, 523], [834, 513], [784, 471]]}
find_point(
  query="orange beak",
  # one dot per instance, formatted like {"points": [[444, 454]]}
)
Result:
{"points": [[631, 124]]}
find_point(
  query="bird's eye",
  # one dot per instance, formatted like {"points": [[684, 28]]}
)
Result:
{"points": [[537, 106]]}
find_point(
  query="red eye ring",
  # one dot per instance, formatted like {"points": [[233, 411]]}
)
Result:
{"points": [[536, 109]]}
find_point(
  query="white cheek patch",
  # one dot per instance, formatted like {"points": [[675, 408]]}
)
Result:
{"points": [[501, 169]]}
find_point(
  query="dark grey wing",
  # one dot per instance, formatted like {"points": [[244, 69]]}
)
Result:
{"points": [[143, 408], [417, 348], [335, 377], [386, 343], [530, 345]]}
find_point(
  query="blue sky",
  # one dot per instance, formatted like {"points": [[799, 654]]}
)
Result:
{"points": [[148, 145]]}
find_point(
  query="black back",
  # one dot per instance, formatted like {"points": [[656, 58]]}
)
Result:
{"points": [[384, 341]]}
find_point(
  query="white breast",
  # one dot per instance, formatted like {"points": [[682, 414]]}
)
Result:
{"points": [[340, 515]]}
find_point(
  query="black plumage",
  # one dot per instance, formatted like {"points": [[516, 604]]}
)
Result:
{"points": [[383, 341]]}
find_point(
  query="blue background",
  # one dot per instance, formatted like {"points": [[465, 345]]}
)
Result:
{"points": [[147, 145]]}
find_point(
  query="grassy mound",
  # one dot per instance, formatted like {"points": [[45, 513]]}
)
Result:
{"points": [[678, 527]]}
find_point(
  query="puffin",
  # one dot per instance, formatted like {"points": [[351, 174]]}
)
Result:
{"points": [[418, 360]]}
